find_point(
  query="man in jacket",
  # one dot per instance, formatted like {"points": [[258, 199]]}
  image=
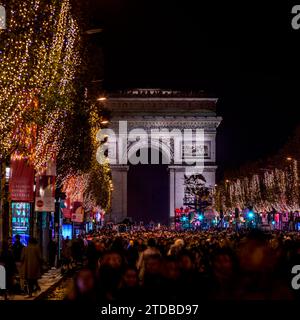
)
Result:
{"points": [[31, 264]]}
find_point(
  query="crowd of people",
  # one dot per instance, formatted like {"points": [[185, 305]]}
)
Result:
{"points": [[247, 219], [168, 266], [165, 266], [23, 265], [285, 221]]}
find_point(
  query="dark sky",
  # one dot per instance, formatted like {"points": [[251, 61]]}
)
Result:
{"points": [[244, 54]]}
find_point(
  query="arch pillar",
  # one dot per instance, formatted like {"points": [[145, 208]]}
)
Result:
{"points": [[119, 196], [176, 195]]}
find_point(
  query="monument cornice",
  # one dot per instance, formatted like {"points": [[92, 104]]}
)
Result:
{"points": [[174, 122], [157, 93], [159, 106]]}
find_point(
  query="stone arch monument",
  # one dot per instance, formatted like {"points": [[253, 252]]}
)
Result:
{"points": [[147, 110]]}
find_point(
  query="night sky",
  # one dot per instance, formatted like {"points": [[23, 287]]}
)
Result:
{"points": [[244, 54]]}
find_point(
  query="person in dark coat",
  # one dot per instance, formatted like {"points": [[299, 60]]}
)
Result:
{"points": [[84, 287], [77, 250], [7, 259], [31, 264], [17, 248], [52, 252], [129, 288]]}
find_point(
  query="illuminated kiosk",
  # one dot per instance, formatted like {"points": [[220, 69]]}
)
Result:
{"points": [[150, 109]]}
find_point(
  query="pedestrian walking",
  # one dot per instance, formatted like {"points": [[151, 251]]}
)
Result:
{"points": [[31, 264], [17, 250], [8, 261], [52, 253]]}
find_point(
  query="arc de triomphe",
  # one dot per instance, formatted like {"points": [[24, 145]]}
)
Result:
{"points": [[150, 109]]}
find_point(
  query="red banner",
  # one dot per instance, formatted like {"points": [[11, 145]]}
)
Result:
{"points": [[45, 194], [77, 212], [45, 189], [21, 181], [66, 213]]}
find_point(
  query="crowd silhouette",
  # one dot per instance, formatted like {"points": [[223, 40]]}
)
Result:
{"points": [[169, 266]]}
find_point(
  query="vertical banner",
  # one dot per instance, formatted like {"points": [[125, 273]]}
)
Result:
{"points": [[21, 180], [45, 189], [66, 209], [66, 213], [77, 212]]}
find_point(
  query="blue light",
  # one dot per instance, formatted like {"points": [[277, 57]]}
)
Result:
{"points": [[273, 222], [67, 231], [200, 217], [250, 215]]}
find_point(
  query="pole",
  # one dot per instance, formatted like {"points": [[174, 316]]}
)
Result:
{"points": [[57, 225], [5, 221], [2, 192], [33, 217], [60, 234]]}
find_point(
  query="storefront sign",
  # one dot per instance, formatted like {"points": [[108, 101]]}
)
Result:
{"points": [[21, 220]]}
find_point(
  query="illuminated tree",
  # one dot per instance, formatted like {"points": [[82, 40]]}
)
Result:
{"points": [[44, 110], [197, 195], [39, 58]]}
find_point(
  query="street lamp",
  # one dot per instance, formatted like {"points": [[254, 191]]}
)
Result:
{"points": [[104, 122], [102, 99], [7, 173], [289, 158], [94, 31]]}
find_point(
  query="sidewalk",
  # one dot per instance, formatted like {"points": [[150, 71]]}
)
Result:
{"points": [[48, 280]]}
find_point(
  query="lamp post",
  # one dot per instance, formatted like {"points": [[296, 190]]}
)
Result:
{"points": [[2, 194], [4, 201], [94, 31]]}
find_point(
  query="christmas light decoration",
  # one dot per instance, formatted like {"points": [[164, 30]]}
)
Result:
{"points": [[44, 112], [39, 56], [276, 189]]}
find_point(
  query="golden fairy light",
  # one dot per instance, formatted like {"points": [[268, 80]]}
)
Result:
{"points": [[38, 67]]}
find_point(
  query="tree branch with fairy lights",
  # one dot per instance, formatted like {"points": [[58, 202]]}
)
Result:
{"points": [[269, 189], [44, 111]]}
